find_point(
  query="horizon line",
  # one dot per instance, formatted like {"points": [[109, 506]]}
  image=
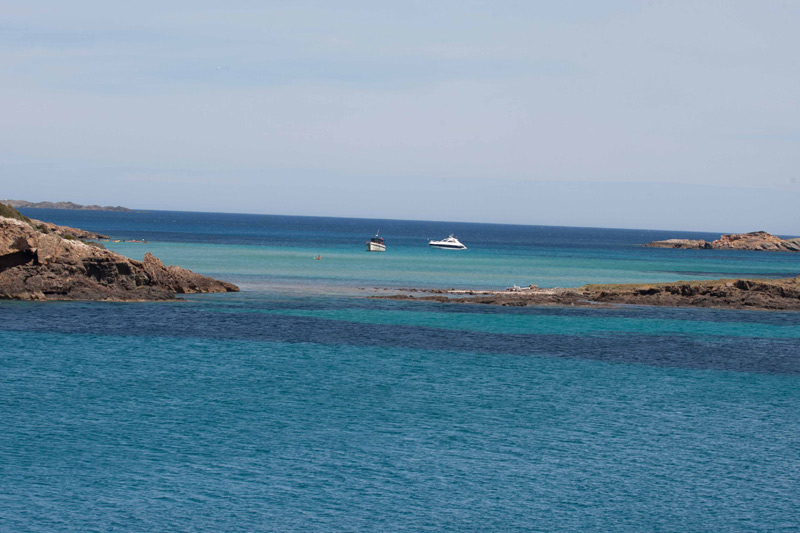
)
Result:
{"points": [[131, 209]]}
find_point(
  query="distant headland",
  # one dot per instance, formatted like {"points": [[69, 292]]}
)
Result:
{"points": [[62, 205], [755, 240]]}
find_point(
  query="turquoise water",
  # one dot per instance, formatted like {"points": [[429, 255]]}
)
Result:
{"points": [[489, 269], [299, 404]]}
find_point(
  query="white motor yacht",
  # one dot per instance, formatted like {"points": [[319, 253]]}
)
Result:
{"points": [[450, 243]]}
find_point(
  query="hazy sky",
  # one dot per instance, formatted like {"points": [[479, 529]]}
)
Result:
{"points": [[655, 114]]}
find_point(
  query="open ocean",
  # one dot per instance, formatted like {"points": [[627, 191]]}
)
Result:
{"points": [[301, 405]]}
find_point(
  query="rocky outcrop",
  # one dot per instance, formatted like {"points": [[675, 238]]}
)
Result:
{"points": [[9, 211], [179, 280], [775, 294], [755, 240], [65, 231], [35, 265]]}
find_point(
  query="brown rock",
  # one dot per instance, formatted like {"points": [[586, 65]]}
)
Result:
{"points": [[755, 240], [179, 279], [65, 231], [37, 266]]}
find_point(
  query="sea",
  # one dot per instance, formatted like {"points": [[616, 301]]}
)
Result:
{"points": [[303, 404]]}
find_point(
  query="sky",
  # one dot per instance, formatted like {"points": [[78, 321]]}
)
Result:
{"points": [[652, 114]]}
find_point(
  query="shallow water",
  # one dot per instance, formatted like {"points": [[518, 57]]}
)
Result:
{"points": [[299, 404]]}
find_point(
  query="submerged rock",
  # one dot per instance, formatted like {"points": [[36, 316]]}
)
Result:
{"points": [[44, 265], [680, 243]]}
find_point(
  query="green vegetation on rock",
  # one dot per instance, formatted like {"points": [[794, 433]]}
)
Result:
{"points": [[10, 212]]}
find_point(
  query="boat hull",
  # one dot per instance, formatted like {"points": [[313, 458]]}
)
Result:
{"points": [[448, 246], [376, 247], [450, 243]]}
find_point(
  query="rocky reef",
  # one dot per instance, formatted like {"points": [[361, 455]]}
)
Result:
{"points": [[755, 240], [43, 262], [764, 294]]}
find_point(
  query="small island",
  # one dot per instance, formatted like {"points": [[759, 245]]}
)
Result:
{"points": [[755, 240], [42, 261], [61, 205]]}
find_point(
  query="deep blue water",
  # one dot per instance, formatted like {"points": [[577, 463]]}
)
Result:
{"points": [[300, 404]]}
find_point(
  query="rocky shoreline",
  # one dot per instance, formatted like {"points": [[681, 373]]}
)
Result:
{"points": [[764, 294], [755, 240], [42, 261]]}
